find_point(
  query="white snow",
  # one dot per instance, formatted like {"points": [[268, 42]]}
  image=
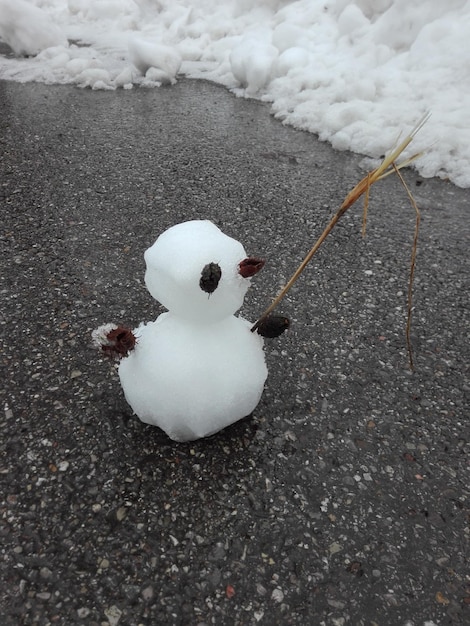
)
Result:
{"points": [[99, 335], [27, 29], [197, 368], [355, 72], [174, 264], [162, 61]]}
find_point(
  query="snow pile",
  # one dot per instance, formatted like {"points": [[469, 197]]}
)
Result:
{"points": [[159, 63], [356, 72], [197, 368], [27, 29]]}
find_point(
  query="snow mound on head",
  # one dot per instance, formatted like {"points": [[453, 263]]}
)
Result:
{"points": [[27, 29]]}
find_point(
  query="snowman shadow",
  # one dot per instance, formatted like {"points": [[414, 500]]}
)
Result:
{"points": [[236, 436], [147, 451], [147, 446], [206, 465]]}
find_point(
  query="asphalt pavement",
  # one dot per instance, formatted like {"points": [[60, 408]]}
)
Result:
{"points": [[343, 500]]}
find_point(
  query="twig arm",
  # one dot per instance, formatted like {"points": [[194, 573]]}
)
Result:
{"points": [[387, 167], [300, 269]]}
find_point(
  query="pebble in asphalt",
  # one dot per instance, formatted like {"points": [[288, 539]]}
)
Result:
{"points": [[343, 499]]}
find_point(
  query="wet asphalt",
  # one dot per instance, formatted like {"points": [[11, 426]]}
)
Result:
{"points": [[343, 500]]}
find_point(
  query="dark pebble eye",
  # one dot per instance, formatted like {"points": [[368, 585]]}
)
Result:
{"points": [[210, 277], [273, 326]]}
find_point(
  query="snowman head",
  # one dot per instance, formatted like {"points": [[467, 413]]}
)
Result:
{"points": [[193, 269]]}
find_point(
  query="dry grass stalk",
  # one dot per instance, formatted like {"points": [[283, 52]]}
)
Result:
{"points": [[387, 167]]}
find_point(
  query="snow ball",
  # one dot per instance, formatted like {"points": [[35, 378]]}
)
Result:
{"points": [[191, 379], [175, 264]]}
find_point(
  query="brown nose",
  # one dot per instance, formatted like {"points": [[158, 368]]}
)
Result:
{"points": [[250, 266]]}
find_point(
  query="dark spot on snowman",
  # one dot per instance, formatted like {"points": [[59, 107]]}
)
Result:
{"points": [[120, 341], [210, 277], [273, 326]]}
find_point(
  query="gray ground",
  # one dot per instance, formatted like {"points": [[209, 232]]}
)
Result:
{"points": [[343, 500]]}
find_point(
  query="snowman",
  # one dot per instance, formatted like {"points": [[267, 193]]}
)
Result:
{"points": [[198, 368]]}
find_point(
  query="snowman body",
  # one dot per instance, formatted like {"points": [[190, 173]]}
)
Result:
{"points": [[198, 367]]}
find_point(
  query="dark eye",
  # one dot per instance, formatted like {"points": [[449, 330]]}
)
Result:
{"points": [[210, 277]]}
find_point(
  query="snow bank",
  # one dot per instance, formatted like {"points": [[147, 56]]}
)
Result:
{"points": [[27, 29], [355, 72]]}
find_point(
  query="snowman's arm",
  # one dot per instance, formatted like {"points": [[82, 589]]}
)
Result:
{"points": [[115, 341]]}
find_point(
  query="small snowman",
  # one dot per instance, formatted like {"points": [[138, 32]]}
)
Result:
{"points": [[198, 368]]}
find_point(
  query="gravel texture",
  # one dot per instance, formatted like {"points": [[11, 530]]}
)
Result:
{"points": [[343, 500]]}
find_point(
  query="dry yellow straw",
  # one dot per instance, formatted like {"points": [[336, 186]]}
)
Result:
{"points": [[387, 167]]}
